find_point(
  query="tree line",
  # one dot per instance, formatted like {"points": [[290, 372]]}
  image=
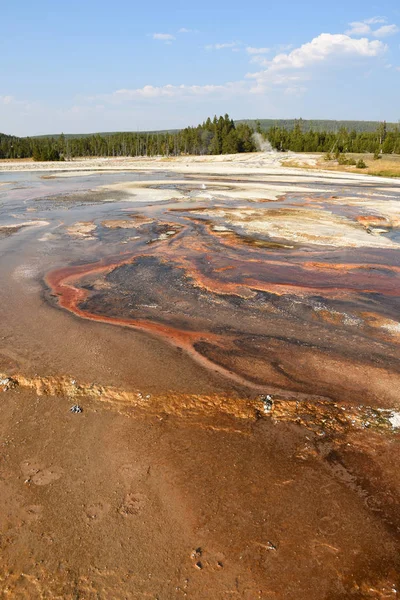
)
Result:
{"points": [[220, 135], [217, 136], [382, 140], [327, 125]]}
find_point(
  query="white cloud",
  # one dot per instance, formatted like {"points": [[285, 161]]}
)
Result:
{"points": [[374, 20], [286, 71], [184, 30], [325, 46], [364, 28], [289, 69], [251, 50], [164, 37], [174, 91], [358, 28], [222, 46], [265, 82], [385, 31]]}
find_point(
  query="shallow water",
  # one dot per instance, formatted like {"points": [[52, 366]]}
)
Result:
{"points": [[323, 298]]}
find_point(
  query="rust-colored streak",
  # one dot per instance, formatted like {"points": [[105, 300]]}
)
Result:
{"points": [[227, 270], [312, 413], [63, 283]]}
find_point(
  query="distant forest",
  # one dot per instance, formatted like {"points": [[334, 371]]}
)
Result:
{"points": [[218, 136], [382, 140], [323, 125]]}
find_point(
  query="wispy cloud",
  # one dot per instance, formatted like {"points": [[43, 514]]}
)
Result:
{"points": [[6, 99], [253, 51], [386, 31], [164, 37], [173, 91], [260, 59], [11, 101], [364, 28], [185, 30], [231, 45], [295, 90], [358, 28], [374, 20]]}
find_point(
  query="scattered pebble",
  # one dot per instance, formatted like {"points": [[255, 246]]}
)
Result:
{"points": [[7, 383], [196, 553], [394, 419], [76, 409], [268, 403]]}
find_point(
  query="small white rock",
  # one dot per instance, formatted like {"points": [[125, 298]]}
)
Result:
{"points": [[395, 419]]}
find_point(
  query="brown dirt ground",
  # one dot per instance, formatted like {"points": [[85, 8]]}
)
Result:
{"points": [[117, 504]]}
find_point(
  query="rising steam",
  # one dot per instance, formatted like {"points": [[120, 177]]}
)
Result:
{"points": [[262, 144]]}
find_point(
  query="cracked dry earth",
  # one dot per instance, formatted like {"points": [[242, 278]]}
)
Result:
{"points": [[230, 330]]}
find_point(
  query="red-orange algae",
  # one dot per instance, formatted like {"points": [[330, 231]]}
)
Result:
{"points": [[61, 282]]}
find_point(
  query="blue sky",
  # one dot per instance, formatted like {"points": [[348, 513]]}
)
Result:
{"points": [[100, 66]]}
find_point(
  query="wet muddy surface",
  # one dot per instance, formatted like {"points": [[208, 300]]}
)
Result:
{"points": [[241, 335]]}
